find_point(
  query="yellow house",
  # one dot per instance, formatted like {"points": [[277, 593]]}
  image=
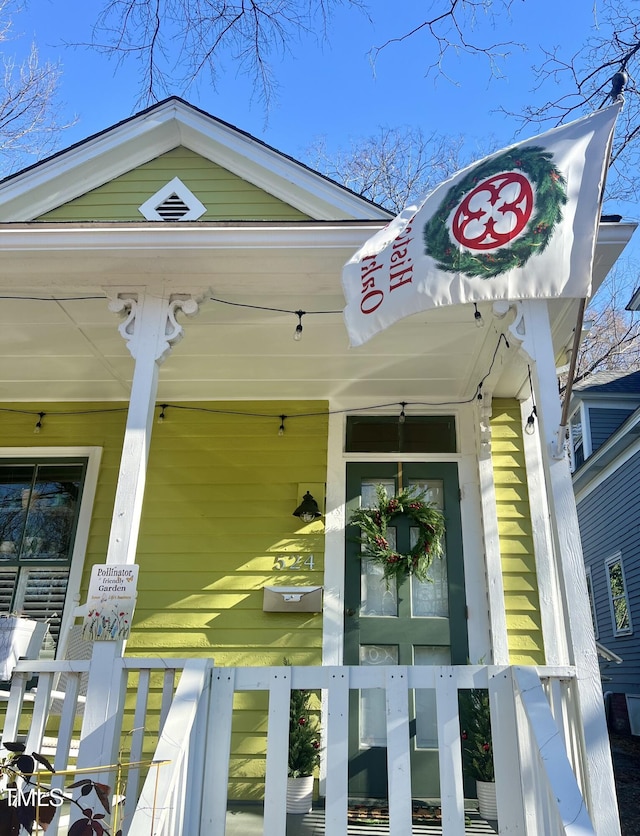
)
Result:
{"points": [[172, 330]]}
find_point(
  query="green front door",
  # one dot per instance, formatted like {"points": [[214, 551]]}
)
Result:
{"points": [[410, 623]]}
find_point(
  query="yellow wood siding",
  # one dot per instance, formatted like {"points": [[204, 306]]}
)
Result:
{"points": [[220, 493], [225, 195], [524, 626]]}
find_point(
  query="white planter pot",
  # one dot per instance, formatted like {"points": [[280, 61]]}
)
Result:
{"points": [[487, 806], [299, 795]]}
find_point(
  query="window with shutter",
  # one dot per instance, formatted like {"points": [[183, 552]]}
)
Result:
{"points": [[39, 507]]}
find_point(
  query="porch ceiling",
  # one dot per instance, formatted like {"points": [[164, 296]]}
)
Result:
{"points": [[72, 350]]}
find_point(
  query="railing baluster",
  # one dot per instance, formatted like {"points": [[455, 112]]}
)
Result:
{"points": [[137, 740], [336, 805], [398, 759], [216, 771], [14, 708], [449, 752], [168, 684], [275, 785], [40, 713]]}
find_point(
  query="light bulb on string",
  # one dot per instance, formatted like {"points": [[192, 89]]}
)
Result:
{"points": [[402, 416], [38, 425], [281, 427], [162, 415], [530, 426], [297, 336], [478, 316], [479, 392]]}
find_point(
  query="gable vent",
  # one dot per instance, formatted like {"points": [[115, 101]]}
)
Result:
{"points": [[173, 202], [173, 208]]}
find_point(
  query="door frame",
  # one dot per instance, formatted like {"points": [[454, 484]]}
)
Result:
{"points": [[466, 458]]}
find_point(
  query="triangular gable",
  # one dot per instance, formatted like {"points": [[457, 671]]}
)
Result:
{"points": [[169, 125], [202, 189]]}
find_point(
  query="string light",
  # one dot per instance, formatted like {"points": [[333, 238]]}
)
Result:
{"points": [[478, 317], [477, 395], [297, 336], [530, 426]]}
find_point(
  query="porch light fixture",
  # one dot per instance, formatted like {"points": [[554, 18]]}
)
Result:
{"points": [[308, 510]]}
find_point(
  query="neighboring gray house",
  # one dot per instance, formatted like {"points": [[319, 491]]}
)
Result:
{"points": [[605, 448]]}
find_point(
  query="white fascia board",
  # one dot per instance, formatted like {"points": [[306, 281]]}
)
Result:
{"points": [[173, 236], [85, 167], [107, 155]]}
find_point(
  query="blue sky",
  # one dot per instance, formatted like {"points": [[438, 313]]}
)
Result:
{"points": [[330, 89]]}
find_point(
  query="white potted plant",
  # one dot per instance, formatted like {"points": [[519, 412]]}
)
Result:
{"points": [[304, 753], [477, 749]]}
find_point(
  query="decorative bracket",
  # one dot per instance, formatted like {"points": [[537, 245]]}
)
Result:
{"points": [[150, 322]]}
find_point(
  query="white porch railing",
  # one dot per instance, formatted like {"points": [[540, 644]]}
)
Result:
{"points": [[536, 731]]}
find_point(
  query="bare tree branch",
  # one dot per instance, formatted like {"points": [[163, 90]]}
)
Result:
{"points": [[180, 41], [394, 166], [30, 122]]}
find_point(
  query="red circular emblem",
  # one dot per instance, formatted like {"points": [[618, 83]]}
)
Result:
{"points": [[494, 213]]}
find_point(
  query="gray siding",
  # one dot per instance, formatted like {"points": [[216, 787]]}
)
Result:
{"points": [[609, 522], [604, 422]]}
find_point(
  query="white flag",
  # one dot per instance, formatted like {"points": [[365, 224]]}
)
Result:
{"points": [[520, 224]]}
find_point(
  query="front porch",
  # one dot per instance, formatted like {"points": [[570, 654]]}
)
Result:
{"points": [[174, 718]]}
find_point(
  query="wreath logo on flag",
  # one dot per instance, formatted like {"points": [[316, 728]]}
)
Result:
{"points": [[503, 212]]}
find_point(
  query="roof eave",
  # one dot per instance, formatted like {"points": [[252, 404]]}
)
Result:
{"points": [[106, 155]]}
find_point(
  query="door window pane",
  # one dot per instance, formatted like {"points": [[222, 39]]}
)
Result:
{"points": [[431, 489], [369, 491], [430, 598], [425, 698], [373, 724], [378, 597]]}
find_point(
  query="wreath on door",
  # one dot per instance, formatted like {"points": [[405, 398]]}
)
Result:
{"points": [[374, 522]]}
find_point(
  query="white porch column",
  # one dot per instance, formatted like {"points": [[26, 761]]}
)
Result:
{"points": [[600, 792], [551, 607], [150, 329]]}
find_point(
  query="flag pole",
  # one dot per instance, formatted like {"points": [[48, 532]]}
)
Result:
{"points": [[577, 336]]}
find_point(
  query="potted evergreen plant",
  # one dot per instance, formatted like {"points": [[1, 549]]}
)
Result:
{"points": [[304, 752], [477, 748]]}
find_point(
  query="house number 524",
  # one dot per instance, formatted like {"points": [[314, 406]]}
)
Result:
{"points": [[293, 563]]}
